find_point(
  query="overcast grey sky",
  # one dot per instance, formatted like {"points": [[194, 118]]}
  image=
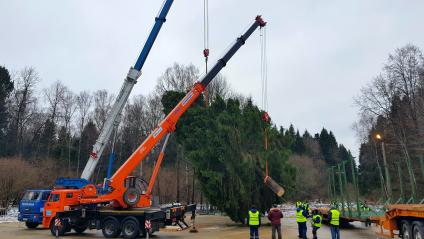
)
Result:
{"points": [[319, 52]]}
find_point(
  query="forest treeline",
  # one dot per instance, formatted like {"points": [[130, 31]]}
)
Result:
{"points": [[217, 154], [392, 106]]}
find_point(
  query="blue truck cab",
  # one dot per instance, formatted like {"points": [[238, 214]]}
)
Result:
{"points": [[31, 207]]}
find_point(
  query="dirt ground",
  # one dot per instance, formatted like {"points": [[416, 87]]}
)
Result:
{"points": [[209, 227]]}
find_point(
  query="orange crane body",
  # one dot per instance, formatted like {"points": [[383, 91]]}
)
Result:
{"points": [[88, 194]]}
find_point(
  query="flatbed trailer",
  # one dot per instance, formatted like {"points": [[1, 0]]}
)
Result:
{"points": [[113, 221], [403, 220], [346, 219]]}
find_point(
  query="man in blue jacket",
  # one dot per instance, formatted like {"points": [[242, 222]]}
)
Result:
{"points": [[301, 216], [316, 222]]}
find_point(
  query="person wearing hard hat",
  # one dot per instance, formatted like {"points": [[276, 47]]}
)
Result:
{"points": [[334, 218], [254, 222]]}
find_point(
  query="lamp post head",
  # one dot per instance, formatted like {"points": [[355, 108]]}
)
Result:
{"points": [[378, 136]]}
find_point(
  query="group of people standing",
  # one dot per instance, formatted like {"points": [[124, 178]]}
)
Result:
{"points": [[302, 214]]}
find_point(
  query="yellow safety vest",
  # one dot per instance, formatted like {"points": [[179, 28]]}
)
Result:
{"points": [[335, 217], [318, 224], [300, 217], [253, 218]]}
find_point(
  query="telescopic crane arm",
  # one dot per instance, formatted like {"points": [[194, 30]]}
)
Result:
{"points": [[129, 82], [168, 124]]}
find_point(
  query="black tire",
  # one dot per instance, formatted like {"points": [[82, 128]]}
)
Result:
{"points": [[418, 230], [130, 228], [31, 225], [406, 230], [131, 196], [62, 229], [111, 227]]}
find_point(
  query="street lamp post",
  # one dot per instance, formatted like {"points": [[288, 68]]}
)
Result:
{"points": [[386, 167]]}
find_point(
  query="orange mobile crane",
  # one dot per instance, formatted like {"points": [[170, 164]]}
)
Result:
{"points": [[127, 207]]}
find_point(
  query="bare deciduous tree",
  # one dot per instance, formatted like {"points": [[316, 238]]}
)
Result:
{"points": [[22, 105], [102, 105], [219, 87], [68, 107], [177, 78], [54, 96], [84, 100]]}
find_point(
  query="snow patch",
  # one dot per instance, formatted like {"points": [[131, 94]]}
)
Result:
{"points": [[11, 215]]}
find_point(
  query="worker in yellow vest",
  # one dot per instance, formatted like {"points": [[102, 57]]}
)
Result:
{"points": [[316, 222], [301, 216], [334, 218], [254, 221]]}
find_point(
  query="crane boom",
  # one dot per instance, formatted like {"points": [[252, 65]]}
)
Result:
{"points": [[129, 82], [168, 124]]}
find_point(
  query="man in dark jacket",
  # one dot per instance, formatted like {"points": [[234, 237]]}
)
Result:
{"points": [[301, 218], [316, 222], [254, 222], [275, 215]]}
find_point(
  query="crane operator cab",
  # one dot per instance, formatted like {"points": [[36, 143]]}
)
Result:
{"points": [[60, 201]]}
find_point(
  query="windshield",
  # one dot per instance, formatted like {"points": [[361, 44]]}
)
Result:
{"points": [[45, 196], [31, 195], [54, 197]]}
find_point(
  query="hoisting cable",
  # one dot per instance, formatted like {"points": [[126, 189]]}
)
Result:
{"points": [[206, 42], [264, 72], [264, 82], [273, 185]]}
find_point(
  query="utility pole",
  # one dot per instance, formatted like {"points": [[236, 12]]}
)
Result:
{"points": [[379, 137], [402, 196], [345, 184], [330, 187], [333, 171], [355, 186], [339, 172], [386, 172]]}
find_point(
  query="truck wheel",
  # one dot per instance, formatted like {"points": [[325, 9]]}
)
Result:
{"points": [[406, 230], [62, 229], [130, 229], [131, 196], [418, 230], [31, 225], [111, 228]]}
